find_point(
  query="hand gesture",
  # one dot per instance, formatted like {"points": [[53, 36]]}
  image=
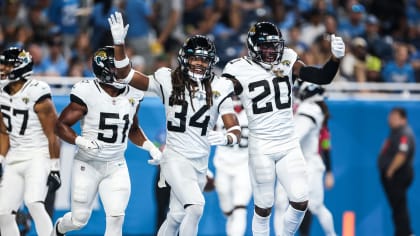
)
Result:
{"points": [[54, 181], [118, 30], [338, 47], [86, 144], [217, 138]]}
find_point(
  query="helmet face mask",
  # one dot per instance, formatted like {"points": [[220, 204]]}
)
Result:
{"points": [[16, 64], [197, 57], [104, 67], [265, 43]]}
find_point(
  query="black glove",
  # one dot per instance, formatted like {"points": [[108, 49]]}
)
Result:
{"points": [[54, 181]]}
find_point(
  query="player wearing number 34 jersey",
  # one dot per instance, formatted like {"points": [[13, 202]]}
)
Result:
{"points": [[193, 98], [263, 83]]}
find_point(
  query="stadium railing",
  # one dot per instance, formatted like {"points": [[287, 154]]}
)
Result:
{"points": [[336, 90]]}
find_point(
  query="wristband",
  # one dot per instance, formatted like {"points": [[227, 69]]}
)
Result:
{"points": [[236, 127], [129, 77], [123, 63], [147, 145], [234, 138], [55, 164]]}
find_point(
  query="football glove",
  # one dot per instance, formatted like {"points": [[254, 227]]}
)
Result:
{"points": [[118, 30], [54, 180], [217, 138], [338, 47], [86, 144], [154, 152]]}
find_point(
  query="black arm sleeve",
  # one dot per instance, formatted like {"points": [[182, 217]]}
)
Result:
{"points": [[322, 75], [327, 159]]}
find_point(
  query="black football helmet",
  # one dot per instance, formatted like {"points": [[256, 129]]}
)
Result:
{"points": [[21, 63], [198, 46], [310, 91], [104, 67], [265, 43]]}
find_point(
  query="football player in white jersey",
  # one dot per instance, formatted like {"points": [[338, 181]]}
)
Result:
{"points": [[233, 185], [29, 144], [263, 83], [309, 119], [193, 98], [108, 117]]}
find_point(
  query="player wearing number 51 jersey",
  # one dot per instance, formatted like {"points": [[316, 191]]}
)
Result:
{"points": [[108, 118], [263, 83], [193, 98]]}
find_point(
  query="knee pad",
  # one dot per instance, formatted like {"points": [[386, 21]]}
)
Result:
{"points": [[80, 217], [195, 210], [176, 216]]}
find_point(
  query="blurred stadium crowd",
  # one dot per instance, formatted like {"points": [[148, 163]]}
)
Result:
{"points": [[382, 37]]}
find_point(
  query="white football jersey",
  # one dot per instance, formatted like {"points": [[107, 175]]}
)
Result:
{"points": [[267, 97], [231, 156], [308, 120], [108, 119], [187, 128], [24, 128]]}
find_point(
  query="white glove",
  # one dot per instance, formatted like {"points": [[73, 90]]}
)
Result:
{"points": [[217, 138], [154, 152], [338, 47], [118, 30], [86, 144]]}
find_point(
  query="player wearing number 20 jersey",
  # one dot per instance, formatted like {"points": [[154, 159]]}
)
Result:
{"points": [[193, 98], [263, 83]]}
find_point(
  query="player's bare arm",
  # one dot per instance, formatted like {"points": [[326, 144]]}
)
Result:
{"points": [[327, 72], [4, 137], [137, 136], [69, 116], [230, 121], [122, 63], [47, 116]]}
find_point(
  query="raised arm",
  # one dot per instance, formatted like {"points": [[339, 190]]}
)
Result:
{"points": [[327, 72], [124, 72]]}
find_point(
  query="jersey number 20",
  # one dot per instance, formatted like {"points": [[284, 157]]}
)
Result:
{"points": [[277, 83]]}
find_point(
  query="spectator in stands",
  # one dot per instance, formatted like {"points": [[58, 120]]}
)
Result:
{"points": [[314, 27], [55, 64], [354, 62], [395, 163], [196, 15], [63, 14], [399, 70], [295, 41], [99, 22], [354, 25], [377, 44], [37, 57], [138, 15], [168, 21]]}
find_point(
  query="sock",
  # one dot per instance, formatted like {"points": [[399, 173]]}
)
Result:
{"points": [[325, 220], [260, 225], [8, 225], [238, 222], [43, 223], [279, 219], [114, 225], [292, 220], [189, 225]]}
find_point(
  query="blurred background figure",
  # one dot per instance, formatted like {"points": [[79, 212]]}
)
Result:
{"points": [[395, 163], [232, 181], [312, 114]]}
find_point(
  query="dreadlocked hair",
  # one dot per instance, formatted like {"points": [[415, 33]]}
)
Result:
{"points": [[179, 83]]}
